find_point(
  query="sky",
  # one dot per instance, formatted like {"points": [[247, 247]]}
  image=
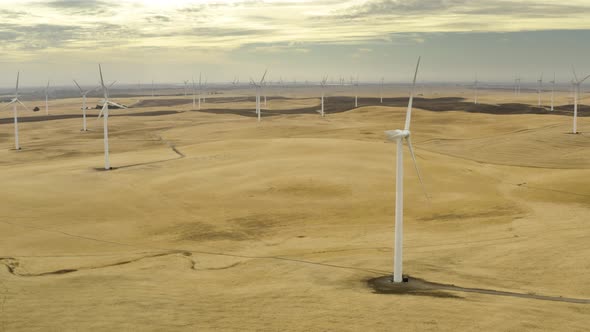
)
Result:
{"points": [[174, 40]]}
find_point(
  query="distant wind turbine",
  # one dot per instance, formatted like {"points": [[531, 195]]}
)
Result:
{"points": [[14, 103], [83, 94], [105, 111], [517, 85], [399, 136], [577, 82], [258, 87], [323, 83], [355, 85], [185, 84]]}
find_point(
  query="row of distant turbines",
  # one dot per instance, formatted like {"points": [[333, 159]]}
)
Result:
{"points": [[399, 136], [576, 83]]}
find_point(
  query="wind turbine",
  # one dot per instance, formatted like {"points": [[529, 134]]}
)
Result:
{"points": [[356, 89], [105, 111], [552, 91], [517, 85], [399, 136], [83, 94], [577, 82], [47, 99], [258, 88], [108, 87], [14, 103], [323, 83], [540, 81], [185, 83]]}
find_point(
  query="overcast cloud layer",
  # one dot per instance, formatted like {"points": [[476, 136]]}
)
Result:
{"points": [[180, 31]]}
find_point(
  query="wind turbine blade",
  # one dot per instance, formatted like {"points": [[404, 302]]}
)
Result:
{"points": [[116, 105], [112, 83], [103, 107], [10, 103], [17, 79], [416, 166], [47, 87], [23, 105], [411, 101], [263, 76], [78, 85], [574, 71], [585, 78], [101, 79]]}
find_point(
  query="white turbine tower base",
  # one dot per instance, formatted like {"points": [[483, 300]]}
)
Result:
{"points": [[399, 136]]}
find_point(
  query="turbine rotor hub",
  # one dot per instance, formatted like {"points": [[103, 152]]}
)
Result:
{"points": [[397, 134]]}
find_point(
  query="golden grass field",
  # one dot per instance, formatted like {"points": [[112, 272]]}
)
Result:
{"points": [[278, 225]]}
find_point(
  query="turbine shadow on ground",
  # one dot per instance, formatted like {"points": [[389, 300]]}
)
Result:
{"points": [[420, 287]]}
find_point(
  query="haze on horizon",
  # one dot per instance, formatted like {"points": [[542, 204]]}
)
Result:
{"points": [[169, 41]]}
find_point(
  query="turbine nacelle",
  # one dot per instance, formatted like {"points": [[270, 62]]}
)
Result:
{"points": [[397, 134]]}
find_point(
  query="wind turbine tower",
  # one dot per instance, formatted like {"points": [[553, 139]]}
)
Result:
{"points": [[258, 87], [84, 107], [399, 136], [323, 83], [105, 113], [14, 102]]}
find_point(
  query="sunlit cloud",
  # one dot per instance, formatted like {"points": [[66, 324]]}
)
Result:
{"points": [[211, 31]]}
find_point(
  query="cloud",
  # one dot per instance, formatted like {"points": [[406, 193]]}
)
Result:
{"points": [[83, 4], [158, 18], [398, 7], [226, 25], [81, 7]]}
